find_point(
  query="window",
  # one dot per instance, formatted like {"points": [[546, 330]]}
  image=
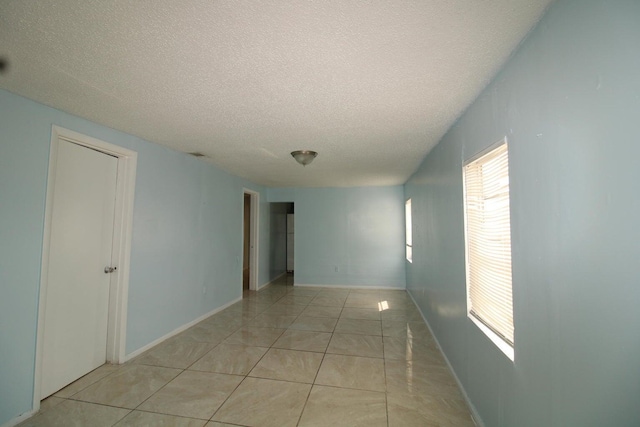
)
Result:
{"points": [[409, 240], [488, 245]]}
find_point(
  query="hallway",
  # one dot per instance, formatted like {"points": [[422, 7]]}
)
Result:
{"points": [[283, 356]]}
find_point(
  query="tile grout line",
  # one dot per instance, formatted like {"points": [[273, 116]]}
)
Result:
{"points": [[84, 388], [184, 370], [245, 322], [317, 373], [245, 376], [384, 371]]}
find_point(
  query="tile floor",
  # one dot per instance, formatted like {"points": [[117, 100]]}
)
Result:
{"points": [[284, 356]]}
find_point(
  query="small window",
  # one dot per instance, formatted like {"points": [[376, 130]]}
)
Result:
{"points": [[488, 246], [409, 240]]}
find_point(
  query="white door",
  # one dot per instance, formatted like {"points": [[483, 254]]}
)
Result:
{"points": [[77, 293]]}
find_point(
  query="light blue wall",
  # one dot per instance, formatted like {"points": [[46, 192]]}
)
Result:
{"points": [[186, 238], [569, 102], [187, 247], [357, 231]]}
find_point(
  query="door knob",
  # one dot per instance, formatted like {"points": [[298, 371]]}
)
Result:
{"points": [[108, 269]]}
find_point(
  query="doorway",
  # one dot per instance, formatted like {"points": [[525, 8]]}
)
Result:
{"points": [[85, 261], [282, 242], [251, 203], [246, 268]]}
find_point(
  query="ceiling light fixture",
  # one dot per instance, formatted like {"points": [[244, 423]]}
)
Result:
{"points": [[304, 157]]}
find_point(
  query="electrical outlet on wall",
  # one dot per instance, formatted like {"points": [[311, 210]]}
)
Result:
{"points": [[336, 268]]}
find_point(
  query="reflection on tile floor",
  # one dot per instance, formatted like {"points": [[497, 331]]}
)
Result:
{"points": [[283, 356]]}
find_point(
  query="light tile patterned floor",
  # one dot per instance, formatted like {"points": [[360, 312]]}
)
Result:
{"points": [[284, 356]]}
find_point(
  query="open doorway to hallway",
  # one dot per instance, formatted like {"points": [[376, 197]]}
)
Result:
{"points": [[282, 242], [251, 202], [246, 243]]}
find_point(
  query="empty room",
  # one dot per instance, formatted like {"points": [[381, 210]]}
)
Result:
{"points": [[320, 213]]}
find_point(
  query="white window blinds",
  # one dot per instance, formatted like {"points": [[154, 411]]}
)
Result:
{"points": [[408, 231], [488, 242]]}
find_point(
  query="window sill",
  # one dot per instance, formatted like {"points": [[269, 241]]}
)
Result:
{"points": [[504, 346]]}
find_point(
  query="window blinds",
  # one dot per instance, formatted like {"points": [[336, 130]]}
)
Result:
{"points": [[408, 231], [488, 239]]}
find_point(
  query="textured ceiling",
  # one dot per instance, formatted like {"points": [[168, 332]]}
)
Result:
{"points": [[371, 85]]}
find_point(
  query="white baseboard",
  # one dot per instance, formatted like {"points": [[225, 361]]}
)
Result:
{"points": [[474, 413], [17, 420], [272, 280], [350, 287], [178, 330], [20, 418]]}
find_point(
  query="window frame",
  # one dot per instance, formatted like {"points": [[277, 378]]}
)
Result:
{"points": [[493, 333]]}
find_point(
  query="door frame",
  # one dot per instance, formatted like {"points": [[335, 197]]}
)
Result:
{"points": [[253, 237], [120, 255]]}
